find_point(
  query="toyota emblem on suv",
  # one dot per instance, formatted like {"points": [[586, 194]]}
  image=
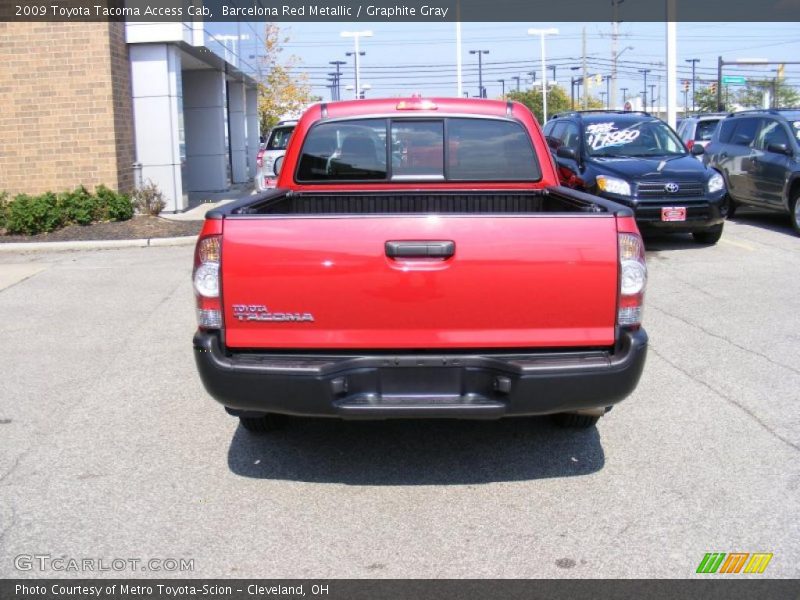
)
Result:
{"points": [[672, 188]]}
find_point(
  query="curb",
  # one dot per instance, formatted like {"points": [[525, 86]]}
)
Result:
{"points": [[186, 240]]}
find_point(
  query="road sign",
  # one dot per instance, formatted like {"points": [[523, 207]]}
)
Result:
{"points": [[736, 79]]}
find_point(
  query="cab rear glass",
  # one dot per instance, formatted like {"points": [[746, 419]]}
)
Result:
{"points": [[418, 149]]}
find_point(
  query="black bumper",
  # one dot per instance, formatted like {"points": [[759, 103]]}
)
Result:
{"points": [[701, 213], [402, 385]]}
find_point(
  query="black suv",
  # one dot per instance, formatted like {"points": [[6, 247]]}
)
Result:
{"points": [[639, 161], [758, 153]]}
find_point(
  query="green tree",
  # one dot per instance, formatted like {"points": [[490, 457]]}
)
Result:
{"points": [[705, 100], [752, 95], [558, 100], [281, 90]]}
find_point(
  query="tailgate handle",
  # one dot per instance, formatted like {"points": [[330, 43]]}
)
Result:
{"points": [[420, 249]]}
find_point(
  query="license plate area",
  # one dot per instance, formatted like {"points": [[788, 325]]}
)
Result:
{"points": [[673, 213]]}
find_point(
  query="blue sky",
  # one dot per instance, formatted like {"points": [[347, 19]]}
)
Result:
{"points": [[405, 58]]}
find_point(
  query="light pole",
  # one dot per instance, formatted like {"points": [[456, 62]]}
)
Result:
{"points": [[624, 96], [541, 33], [480, 53], [503, 83], [516, 78], [533, 76], [694, 62], [644, 99], [608, 89], [356, 35], [652, 98], [338, 64], [573, 81]]}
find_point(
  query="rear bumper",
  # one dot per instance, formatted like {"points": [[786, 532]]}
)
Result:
{"points": [[406, 385]]}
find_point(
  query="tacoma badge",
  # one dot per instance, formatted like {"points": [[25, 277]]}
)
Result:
{"points": [[259, 312]]}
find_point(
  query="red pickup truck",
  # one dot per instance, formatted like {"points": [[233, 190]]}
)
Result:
{"points": [[419, 259]]}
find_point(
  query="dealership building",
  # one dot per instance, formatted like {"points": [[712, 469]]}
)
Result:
{"points": [[123, 103]]}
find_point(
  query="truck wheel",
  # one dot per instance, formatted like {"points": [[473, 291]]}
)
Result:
{"points": [[574, 421], [263, 424], [795, 213], [708, 236]]}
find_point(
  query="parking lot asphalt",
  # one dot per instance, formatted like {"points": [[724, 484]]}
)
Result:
{"points": [[110, 447]]}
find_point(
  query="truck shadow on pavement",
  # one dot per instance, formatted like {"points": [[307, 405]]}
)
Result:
{"points": [[432, 452]]}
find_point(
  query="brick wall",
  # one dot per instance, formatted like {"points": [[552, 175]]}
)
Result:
{"points": [[66, 115]]}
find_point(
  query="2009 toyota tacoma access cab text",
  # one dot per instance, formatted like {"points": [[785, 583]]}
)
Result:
{"points": [[418, 259]]}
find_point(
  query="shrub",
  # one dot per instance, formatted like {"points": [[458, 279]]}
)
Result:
{"points": [[79, 206], [113, 205], [3, 208], [149, 199], [34, 214]]}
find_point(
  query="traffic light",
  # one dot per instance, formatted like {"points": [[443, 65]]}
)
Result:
{"points": [[685, 85], [713, 87]]}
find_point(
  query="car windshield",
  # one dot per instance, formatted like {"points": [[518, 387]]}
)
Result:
{"points": [[279, 138], [631, 139]]}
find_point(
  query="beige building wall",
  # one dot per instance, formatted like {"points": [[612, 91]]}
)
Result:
{"points": [[66, 115]]}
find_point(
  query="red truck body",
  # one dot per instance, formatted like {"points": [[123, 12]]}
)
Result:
{"points": [[418, 297]]}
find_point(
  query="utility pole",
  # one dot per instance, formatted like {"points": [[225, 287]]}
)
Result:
{"points": [[624, 96], [612, 99], [503, 83], [652, 98], [338, 64], [480, 53], [585, 71], [694, 62], [720, 62], [645, 72], [672, 65], [608, 90]]}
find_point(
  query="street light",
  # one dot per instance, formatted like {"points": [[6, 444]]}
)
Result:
{"points": [[356, 35], [624, 96], [503, 83], [516, 78], [480, 53], [541, 33]]}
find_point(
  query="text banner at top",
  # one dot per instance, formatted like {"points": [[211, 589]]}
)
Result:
{"points": [[400, 10]]}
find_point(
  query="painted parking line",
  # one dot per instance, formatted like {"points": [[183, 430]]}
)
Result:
{"points": [[11, 274], [737, 244]]}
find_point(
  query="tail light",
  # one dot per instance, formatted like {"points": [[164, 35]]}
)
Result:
{"points": [[260, 158], [632, 280], [206, 280], [689, 144]]}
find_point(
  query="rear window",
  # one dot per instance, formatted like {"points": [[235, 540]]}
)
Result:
{"points": [[279, 138], [705, 129], [457, 149]]}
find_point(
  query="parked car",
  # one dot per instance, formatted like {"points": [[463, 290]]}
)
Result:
{"points": [[274, 148], [698, 129], [638, 160], [415, 261], [758, 154]]}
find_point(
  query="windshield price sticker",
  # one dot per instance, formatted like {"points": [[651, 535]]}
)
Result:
{"points": [[604, 135]]}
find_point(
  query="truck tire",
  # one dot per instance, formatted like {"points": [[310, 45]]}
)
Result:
{"points": [[573, 421], [263, 424], [708, 236]]}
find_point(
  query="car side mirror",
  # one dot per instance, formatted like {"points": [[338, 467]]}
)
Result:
{"points": [[779, 149], [698, 149], [276, 166], [567, 152]]}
